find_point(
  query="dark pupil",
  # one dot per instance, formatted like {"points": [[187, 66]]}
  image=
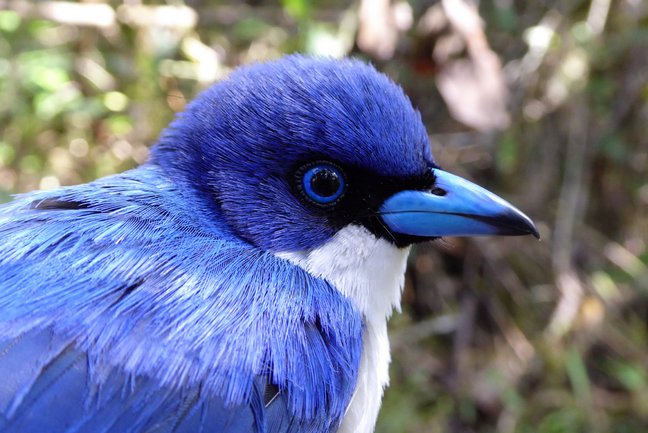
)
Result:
{"points": [[325, 183]]}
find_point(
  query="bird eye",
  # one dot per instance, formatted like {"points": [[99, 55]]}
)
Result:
{"points": [[323, 184]]}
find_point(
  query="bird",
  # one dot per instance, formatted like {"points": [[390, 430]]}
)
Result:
{"points": [[241, 279]]}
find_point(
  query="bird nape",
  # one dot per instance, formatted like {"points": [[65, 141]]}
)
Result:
{"points": [[241, 279]]}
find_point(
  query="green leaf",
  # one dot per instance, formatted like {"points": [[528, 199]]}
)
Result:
{"points": [[629, 374], [7, 154], [120, 124], [9, 21], [298, 9], [578, 376]]}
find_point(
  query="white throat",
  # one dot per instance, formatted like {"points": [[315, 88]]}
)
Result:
{"points": [[370, 271]]}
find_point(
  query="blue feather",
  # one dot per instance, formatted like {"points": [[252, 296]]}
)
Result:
{"points": [[118, 297], [256, 126]]}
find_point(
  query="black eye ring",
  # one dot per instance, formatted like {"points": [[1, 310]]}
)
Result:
{"points": [[322, 183]]}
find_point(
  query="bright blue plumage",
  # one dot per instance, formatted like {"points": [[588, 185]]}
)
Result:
{"points": [[157, 300], [142, 287], [266, 119]]}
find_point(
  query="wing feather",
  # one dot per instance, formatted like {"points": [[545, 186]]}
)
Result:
{"points": [[127, 306]]}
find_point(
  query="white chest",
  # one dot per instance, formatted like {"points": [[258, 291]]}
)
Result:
{"points": [[369, 271]]}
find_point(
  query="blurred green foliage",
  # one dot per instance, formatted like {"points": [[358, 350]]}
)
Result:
{"points": [[497, 335]]}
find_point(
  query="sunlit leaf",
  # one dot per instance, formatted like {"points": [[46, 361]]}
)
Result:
{"points": [[7, 154], [299, 9], [31, 163], [9, 21], [115, 101], [47, 105], [120, 124]]}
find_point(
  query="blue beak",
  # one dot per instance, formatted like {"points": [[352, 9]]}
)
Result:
{"points": [[455, 207]]}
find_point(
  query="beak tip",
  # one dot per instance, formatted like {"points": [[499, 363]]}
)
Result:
{"points": [[531, 228], [514, 222], [535, 233]]}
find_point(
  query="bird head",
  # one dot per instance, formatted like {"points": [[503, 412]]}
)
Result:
{"points": [[290, 152]]}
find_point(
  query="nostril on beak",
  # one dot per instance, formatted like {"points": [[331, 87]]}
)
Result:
{"points": [[439, 191]]}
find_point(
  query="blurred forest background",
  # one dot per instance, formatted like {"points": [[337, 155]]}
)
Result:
{"points": [[544, 102]]}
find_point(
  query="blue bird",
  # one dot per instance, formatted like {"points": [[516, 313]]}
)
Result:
{"points": [[241, 280]]}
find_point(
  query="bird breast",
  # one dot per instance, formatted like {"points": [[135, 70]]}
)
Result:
{"points": [[369, 271]]}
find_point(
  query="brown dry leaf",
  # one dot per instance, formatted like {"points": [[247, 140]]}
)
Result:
{"points": [[380, 23], [473, 86]]}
